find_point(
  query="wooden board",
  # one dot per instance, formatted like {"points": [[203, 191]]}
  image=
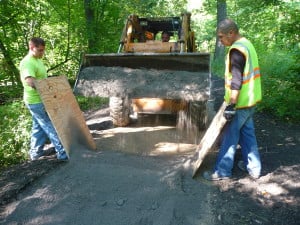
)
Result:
{"points": [[64, 112], [153, 46], [209, 139]]}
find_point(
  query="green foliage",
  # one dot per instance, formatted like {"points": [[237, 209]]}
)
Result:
{"points": [[15, 125], [9, 92], [90, 103], [281, 83], [218, 67]]}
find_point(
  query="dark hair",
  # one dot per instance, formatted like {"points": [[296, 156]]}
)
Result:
{"points": [[165, 32], [227, 25], [37, 41]]}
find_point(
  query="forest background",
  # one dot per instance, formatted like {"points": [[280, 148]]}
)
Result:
{"points": [[74, 27]]}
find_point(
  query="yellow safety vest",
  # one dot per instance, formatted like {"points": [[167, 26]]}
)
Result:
{"points": [[250, 93]]}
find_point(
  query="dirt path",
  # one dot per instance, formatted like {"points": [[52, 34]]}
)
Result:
{"points": [[112, 186]]}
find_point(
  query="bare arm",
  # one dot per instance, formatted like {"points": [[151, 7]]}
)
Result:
{"points": [[30, 81], [234, 96]]}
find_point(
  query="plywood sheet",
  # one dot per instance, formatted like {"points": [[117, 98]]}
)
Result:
{"points": [[209, 139], [64, 112]]}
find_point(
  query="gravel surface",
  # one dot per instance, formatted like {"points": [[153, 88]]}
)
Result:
{"points": [[122, 81]]}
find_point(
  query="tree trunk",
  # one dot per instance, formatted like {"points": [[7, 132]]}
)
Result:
{"points": [[221, 15], [90, 18]]}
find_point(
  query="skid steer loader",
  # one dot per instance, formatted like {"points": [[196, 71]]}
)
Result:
{"points": [[147, 75]]}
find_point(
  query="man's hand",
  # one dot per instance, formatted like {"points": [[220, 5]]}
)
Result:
{"points": [[30, 81], [229, 112]]}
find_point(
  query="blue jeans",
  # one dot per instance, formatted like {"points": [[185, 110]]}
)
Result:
{"points": [[42, 128], [239, 131]]}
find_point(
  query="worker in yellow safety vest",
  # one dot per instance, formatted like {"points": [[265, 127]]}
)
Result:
{"points": [[242, 93]]}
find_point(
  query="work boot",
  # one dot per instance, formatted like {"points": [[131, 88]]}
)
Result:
{"points": [[214, 176], [241, 165], [62, 156], [49, 151], [36, 154]]}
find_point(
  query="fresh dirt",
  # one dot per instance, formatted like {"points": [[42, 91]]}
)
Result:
{"points": [[122, 183], [139, 83]]}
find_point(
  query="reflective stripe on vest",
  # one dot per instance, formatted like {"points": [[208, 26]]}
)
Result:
{"points": [[250, 92]]}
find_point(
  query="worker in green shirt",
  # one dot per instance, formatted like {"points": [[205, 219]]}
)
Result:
{"points": [[32, 68]]}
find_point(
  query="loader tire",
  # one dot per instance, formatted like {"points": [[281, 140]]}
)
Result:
{"points": [[119, 111]]}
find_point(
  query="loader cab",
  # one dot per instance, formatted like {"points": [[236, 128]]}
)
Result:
{"points": [[156, 26], [145, 35]]}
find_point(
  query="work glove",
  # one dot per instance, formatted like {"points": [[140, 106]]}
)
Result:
{"points": [[229, 112]]}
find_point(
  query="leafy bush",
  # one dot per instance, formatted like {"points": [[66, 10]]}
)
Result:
{"points": [[281, 84], [218, 67], [15, 133], [9, 92], [88, 103]]}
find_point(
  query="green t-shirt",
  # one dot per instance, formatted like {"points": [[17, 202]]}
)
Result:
{"points": [[32, 67]]}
